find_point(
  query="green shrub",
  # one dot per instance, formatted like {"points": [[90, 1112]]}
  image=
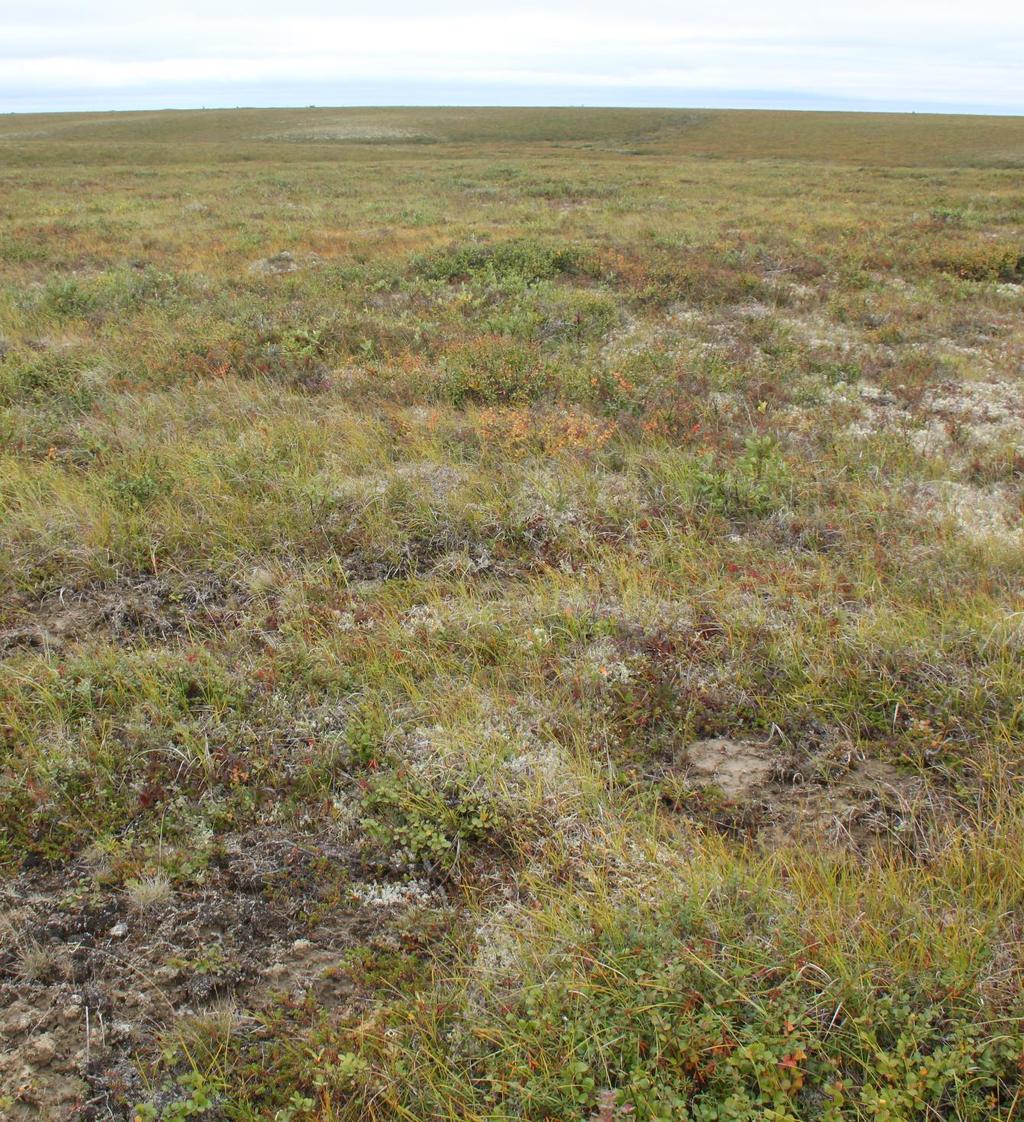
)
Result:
{"points": [[753, 485], [671, 1018], [493, 371], [982, 262], [518, 259], [415, 824], [49, 378], [67, 298]]}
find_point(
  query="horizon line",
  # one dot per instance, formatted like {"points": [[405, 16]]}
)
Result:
{"points": [[984, 111]]}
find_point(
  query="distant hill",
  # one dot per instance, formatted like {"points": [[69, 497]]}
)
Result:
{"points": [[877, 139]]}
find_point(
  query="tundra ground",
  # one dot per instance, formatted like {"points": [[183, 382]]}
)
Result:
{"points": [[511, 615]]}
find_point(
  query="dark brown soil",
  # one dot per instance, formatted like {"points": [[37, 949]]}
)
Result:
{"points": [[90, 979]]}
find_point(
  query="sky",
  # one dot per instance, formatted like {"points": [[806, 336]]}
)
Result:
{"points": [[63, 55]]}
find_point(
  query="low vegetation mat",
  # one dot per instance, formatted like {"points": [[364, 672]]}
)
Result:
{"points": [[511, 615]]}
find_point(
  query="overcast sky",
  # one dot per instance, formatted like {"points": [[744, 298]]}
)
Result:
{"points": [[873, 54]]}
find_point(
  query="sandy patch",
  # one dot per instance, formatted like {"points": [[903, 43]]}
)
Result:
{"points": [[353, 134], [750, 788]]}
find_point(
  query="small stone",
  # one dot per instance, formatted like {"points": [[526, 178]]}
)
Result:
{"points": [[279, 263], [119, 931], [16, 1023], [262, 579]]}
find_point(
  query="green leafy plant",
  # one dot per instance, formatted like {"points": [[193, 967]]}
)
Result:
{"points": [[416, 824]]}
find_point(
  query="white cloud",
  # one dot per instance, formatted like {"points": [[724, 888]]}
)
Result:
{"points": [[909, 53]]}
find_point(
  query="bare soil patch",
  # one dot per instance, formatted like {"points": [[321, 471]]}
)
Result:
{"points": [[90, 980], [143, 607], [751, 788]]}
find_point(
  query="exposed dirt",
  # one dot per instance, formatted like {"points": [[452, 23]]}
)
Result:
{"points": [[738, 769], [144, 607], [91, 977], [275, 265], [353, 133], [747, 787]]}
